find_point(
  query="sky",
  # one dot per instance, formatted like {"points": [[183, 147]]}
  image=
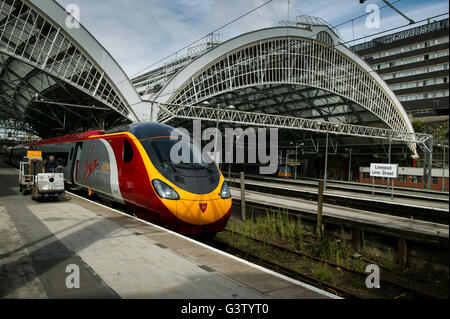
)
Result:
{"points": [[138, 33]]}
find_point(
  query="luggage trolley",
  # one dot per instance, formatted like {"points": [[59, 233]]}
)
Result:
{"points": [[48, 185], [28, 168], [41, 185]]}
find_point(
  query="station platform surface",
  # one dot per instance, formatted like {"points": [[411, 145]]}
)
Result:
{"points": [[118, 256]]}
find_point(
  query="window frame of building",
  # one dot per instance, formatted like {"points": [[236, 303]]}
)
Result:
{"points": [[416, 179]]}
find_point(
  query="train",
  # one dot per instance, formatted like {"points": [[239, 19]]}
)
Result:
{"points": [[131, 165]]}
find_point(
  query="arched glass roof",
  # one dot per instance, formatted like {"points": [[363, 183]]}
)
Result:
{"points": [[55, 76]]}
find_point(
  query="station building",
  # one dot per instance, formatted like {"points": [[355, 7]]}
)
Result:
{"points": [[410, 177]]}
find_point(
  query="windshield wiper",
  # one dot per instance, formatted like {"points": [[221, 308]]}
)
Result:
{"points": [[192, 165]]}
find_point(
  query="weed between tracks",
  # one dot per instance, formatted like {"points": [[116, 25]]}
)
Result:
{"points": [[279, 228]]}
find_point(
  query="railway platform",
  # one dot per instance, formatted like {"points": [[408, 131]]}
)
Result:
{"points": [[118, 256], [418, 207]]}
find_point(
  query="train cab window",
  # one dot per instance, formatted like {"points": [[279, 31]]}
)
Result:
{"points": [[71, 153], [127, 151]]}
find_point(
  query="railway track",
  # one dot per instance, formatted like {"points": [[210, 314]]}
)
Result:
{"points": [[342, 288], [280, 268], [436, 213], [399, 192]]}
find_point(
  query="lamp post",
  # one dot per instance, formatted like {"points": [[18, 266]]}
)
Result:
{"points": [[326, 161], [443, 164], [326, 165], [232, 145], [286, 165], [218, 108], [296, 147], [389, 159], [217, 133], [349, 163]]}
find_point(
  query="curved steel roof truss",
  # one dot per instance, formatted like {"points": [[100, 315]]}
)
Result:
{"points": [[291, 61], [34, 39], [336, 83]]}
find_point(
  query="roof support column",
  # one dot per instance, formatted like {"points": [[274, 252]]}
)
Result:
{"points": [[427, 163], [326, 165]]}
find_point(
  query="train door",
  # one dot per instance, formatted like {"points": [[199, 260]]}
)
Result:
{"points": [[128, 171], [76, 162], [70, 165]]}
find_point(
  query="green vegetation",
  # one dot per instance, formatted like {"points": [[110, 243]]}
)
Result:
{"points": [[281, 228], [418, 126], [324, 259], [439, 128], [322, 272]]}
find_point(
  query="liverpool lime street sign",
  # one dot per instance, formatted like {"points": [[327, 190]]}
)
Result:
{"points": [[384, 170]]}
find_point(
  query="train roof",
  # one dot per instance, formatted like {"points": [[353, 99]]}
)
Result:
{"points": [[147, 130], [68, 138], [153, 129], [140, 130]]}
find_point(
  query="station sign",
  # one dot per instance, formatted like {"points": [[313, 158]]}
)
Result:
{"points": [[384, 170], [34, 154]]}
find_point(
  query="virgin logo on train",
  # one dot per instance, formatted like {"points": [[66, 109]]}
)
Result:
{"points": [[203, 207], [89, 166]]}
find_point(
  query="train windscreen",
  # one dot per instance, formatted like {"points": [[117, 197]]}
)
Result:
{"points": [[183, 163], [177, 152]]}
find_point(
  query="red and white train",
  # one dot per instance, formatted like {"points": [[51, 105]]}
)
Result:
{"points": [[132, 165]]}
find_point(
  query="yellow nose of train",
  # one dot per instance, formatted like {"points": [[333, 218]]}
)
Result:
{"points": [[199, 209]]}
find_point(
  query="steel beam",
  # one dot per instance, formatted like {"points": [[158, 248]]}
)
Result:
{"points": [[168, 111]]}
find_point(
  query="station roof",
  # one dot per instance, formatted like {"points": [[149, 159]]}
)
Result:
{"points": [[301, 69], [55, 76]]}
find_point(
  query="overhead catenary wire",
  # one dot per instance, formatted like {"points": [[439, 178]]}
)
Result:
{"points": [[234, 20], [346, 42], [203, 37]]}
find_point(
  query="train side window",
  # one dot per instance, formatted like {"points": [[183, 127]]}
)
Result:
{"points": [[62, 157], [127, 151]]}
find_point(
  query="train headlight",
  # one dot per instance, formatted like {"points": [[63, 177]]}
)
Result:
{"points": [[225, 191], [164, 190]]}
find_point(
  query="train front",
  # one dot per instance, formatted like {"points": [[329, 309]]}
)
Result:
{"points": [[187, 183]]}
